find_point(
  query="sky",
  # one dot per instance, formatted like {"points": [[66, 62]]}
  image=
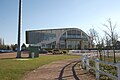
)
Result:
{"points": [[54, 14]]}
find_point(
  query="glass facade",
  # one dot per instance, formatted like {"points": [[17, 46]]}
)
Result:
{"points": [[70, 38], [37, 37]]}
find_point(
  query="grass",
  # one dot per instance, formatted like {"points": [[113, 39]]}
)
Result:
{"points": [[110, 58], [12, 69], [106, 68]]}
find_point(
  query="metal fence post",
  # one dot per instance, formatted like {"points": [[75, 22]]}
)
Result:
{"points": [[97, 68], [118, 71]]}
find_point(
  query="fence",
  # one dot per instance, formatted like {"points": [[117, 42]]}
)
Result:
{"points": [[87, 66], [88, 51]]}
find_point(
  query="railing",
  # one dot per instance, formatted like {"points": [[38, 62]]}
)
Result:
{"points": [[87, 66], [89, 51]]}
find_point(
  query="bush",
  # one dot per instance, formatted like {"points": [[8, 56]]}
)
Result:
{"points": [[64, 52]]}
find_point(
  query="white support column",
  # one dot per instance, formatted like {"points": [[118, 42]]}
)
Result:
{"points": [[119, 71], [87, 62], [66, 34], [97, 68], [83, 61]]}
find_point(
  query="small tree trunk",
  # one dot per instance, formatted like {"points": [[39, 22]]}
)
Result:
{"points": [[108, 53], [100, 55], [114, 54], [104, 55]]}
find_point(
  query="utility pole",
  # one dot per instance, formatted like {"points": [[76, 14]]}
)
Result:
{"points": [[19, 30]]}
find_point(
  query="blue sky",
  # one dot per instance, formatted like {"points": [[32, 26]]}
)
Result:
{"points": [[47, 14]]}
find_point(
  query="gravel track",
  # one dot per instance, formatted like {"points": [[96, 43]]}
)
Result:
{"points": [[60, 70]]}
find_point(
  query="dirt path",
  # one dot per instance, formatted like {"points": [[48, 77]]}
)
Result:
{"points": [[60, 70]]}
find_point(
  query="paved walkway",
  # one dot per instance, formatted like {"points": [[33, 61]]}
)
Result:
{"points": [[60, 70]]}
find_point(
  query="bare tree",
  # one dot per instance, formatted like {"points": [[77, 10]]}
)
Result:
{"points": [[111, 33], [92, 34], [99, 45], [107, 43], [103, 47], [95, 38]]}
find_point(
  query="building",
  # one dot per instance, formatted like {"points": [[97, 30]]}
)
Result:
{"points": [[65, 38]]}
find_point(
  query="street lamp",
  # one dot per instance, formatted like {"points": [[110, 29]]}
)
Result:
{"points": [[19, 30]]}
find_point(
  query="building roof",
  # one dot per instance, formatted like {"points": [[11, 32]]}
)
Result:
{"points": [[53, 29]]}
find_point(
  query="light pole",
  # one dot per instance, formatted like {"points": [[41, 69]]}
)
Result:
{"points": [[19, 30]]}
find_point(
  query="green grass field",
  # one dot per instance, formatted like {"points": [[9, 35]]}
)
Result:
{"points": [[12, 69]]}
